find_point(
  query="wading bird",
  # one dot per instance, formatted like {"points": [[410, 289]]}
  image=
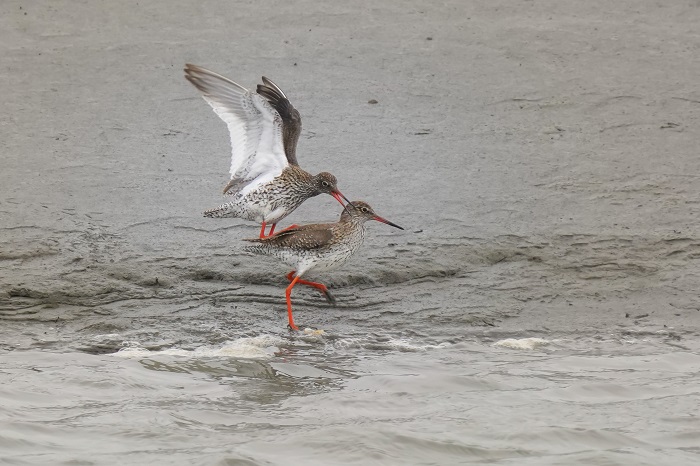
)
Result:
{"points": [[267, 183], [319, 246]]}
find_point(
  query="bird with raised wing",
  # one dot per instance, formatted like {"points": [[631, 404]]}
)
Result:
{"points": [[320, 246], [266, 183]]}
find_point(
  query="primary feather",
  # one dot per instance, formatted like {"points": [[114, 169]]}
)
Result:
{"points": [[255, 127]]}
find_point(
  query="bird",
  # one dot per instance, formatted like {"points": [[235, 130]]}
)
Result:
{"points": [[318, 247], [266, 183]]}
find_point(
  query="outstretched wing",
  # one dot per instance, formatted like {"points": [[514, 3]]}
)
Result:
{"points": [[255, 127], [291, 119]]}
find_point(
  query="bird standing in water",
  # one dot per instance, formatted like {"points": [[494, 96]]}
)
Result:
{"points": [[320, 246], [267, 183]]}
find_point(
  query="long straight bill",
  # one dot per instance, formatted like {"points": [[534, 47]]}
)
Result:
{"points": [[383, 220]]}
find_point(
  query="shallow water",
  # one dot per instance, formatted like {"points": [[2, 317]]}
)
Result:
{"points": [[540, 308], [362, 399]]}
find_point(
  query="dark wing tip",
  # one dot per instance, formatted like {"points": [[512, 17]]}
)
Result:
{"points": [[283, 106], [290, 116], [196, 74], [268, 82], [198, 83], [273, 95], [191, 70]]}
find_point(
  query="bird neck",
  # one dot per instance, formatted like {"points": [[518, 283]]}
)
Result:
{"points": [[355, 231], [353, 221], [299, 182], [302, 181]]}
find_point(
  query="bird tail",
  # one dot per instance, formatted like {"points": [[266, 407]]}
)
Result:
{"points": [[227, 210], [254, 248]]}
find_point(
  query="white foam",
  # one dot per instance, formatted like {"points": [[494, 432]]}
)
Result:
{"points": [[406, 345], [522, 343], [107, 336], [399, 344], [260, 347]]}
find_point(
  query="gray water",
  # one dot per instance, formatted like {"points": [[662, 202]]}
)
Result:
{"points": [[373, 399], [540, 308]]}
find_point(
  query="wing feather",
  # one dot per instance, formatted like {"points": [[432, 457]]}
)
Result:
{"points": [[291, 119], [306, 237], [255, 128]]}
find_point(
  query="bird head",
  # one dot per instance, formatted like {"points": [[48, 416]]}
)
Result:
{"points": [[325, 183], [360, 210]]}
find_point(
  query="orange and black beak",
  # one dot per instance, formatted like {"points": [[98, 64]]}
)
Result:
{"points": [[339, 197], [383, 220]]}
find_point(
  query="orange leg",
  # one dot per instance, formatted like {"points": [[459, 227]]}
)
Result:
{"points": [[289, 228], [289, 303], [272, 230], [318, 286], [262, 230]]}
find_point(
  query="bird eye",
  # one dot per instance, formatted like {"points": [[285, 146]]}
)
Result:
{"points": [[365, 209], [325, 183]]}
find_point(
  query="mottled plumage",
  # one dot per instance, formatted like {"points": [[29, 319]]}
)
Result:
{"points": [[319, 246], [266, 183]]}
